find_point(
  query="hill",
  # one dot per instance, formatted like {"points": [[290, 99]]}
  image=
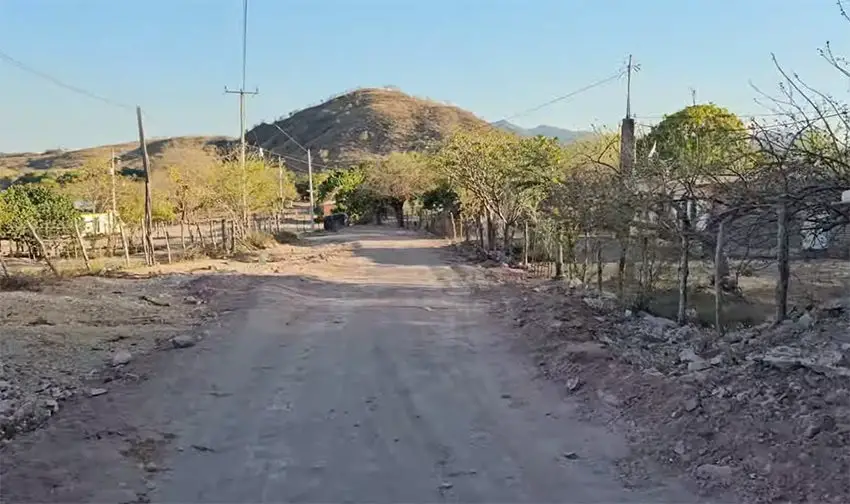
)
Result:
{"points": [[360, 125], [32, 165], [564, 135]]}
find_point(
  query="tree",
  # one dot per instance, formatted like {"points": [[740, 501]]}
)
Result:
{"points": [[698, 139], [441, 198], [261, 186], [185, 175], [92, 184], [45, 208], [399, 178], [501, 175]]}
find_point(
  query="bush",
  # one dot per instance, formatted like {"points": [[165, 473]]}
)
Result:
{"points": [[258, 240], [286, 237]]}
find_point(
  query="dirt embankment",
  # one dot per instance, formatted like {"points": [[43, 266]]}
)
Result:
{"points": [[762, 412]]}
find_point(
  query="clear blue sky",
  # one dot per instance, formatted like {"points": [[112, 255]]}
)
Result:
{"points": [[493, 57]]}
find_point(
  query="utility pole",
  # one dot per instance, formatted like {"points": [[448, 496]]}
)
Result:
{"points": [[280, 180], [148, 220], [627, 129], [241, 92], [627, 173], [114, 205], [693, 96], [310, 188]]}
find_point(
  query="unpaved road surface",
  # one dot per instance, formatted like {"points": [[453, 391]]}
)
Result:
{"points": [[380, 377]]}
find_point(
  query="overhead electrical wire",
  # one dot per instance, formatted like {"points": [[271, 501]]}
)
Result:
{"points": [[571, 94], [43, 75]]}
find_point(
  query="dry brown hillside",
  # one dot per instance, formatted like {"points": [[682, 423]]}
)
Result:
{"points": [[15, 165], [360, 125]]}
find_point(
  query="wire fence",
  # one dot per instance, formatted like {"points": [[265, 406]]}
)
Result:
{"points": [[172, 241]]}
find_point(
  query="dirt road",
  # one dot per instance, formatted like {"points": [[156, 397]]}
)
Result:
{"points": [[380, 378]]}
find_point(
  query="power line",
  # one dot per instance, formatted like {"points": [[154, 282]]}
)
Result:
{"points": [[285, 156], [598, 83], [38, 73]]}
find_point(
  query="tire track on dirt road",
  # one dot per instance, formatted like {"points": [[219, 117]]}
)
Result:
{"points": [[384, 378]]}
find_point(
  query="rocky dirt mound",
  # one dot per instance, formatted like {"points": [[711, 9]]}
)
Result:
{"points": [[360, 125], [763, 412], [74, 337]]}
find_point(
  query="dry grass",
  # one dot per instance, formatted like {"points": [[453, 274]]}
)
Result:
{"points": [[57, 161], [363, 124]]}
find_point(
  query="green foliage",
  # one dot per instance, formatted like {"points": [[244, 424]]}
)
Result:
{"points": [[348, 189], [40, 205], [502, 173], [699, 139], [441, 197], [301, 183], [399, 177]]}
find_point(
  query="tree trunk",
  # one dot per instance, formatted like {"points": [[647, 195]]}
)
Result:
{"points": [[478, 220], [684, 270], [525, 244], [559, 263], [491, 232], [782, 262], [398, 208], [508, 239]]}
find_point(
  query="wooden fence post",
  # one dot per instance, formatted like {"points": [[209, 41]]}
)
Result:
{"points": [[124, 243], [212, 234], [43, 249], [146, 244], [232, 237], [82, 245], [718, 281], [223, 235], [168, 245], [599, 265], [200, 235]]}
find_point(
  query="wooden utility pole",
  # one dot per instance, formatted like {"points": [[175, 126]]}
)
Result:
{"points": [[114, 215], [148, 220], [280, 182], [310, 183], [241, 92]]}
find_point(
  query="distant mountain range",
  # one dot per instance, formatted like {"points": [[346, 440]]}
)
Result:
{"points": [[564, 135]]}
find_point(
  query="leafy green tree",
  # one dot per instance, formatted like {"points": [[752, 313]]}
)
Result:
{"points": [[184, 177], [442, 197], [698, 140], [348, 190], [502, 174], [46, 208], [399, 178]]}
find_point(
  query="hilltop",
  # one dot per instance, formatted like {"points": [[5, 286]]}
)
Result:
{"points": [[34, 164], [360, 125], [565, 136]]}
